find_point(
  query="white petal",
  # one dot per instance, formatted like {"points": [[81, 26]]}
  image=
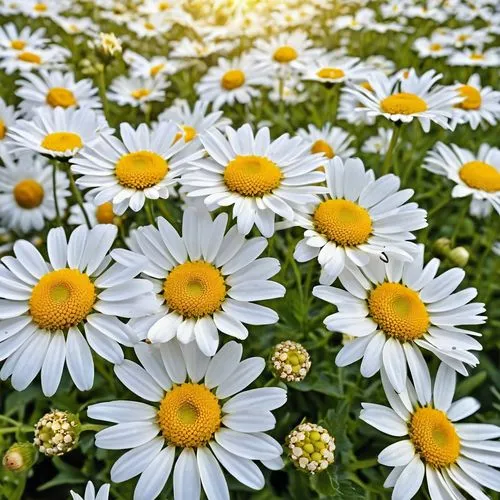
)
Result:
{"points": [[121, 411], [264, 398], [246, 372], [397, 454], [187, 477], [444, 387], [384, 419], [156, 474], [410, 480], [223, 364], [138, 380], [212, 478], [463, 408], [256, 446], [395, 363], [126, 435], [53, 364]]}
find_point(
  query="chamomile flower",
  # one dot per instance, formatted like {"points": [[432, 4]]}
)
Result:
{"points": [[378, 144], [141, 67], [206, 280], [434, 47], [489, 58], [414, 97], [187, 48], [332, 69], [396, 309], [34, 59], [90, 493], [150, 27], [26, 192], [476, 175], [260, 178], [46, 306], [8, 117], [44, 8], [451, 456], [329, 140], [77, 25], [17, 40], [142, 165], [359, 217], [195, 406], [50, 89], [362, 19], [133, 91], [97, 214]]}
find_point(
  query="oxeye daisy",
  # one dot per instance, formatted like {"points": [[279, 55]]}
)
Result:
{"points": [[329, 140], [34, 59], [259, 177], [44, 8], [54, 88], [331, 68], [133, 91], [90, 493], [395, 309], [8, 116], [77, 25], [414, 97], [378, 144], [434, 47], [26, 192], [47, 306], [206, 280], [17, 40], [359, 217], [195, 406], [142, 165], [474, 174], [475, 57], [140, 67], [97, 214], [452, 457]]}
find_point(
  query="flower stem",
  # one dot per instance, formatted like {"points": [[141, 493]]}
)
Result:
{"points": [[386, 167], [78, 197], [54, 193], [460, 221], [102, 89], [92, 427]]}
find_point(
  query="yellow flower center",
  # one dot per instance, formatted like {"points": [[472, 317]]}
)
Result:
{"points": [[477, 57], [367, 86], [285, 54], [163, 6], [156, 69], [398, 311], [434, 437], [104, 213], [40, 7], [188, 132], [62, 141], [149, 26], [18, 44], [194, 289], [480, 175], [189, 415], [232, 79], [435, 47], [403, 103], [141, 169], [29, 57], [140, 93], [331, 73], [321, 146], [3, 130], [343, 222], [472, 97], [59, 96], [62, 299], [463, 38], [28, 193]]}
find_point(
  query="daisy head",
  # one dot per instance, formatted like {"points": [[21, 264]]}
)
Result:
{"points": [[142, 165], [132, 91], [17, 40], [329, 140], [53, 311], [156, 66], [97, 214], [359, 217], [260, 178], [331, 68], [478, 57], [8, 116], [450, 456], [434, 47], [198, 416], [206, 280], [34, 59]]}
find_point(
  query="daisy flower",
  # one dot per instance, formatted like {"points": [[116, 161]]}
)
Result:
{"points": [[489, 58], [133, 91], [480, 105], [451, 456], [77, 25], [98, 214], [34, 59], [414, 97], [90, 493], [434, 47], [378, 144], [140, 67], [187, 48], [332, 69], [359, 217], [13, 39], [206, 280], [150, 27], [197, 417], [8, 117], [259, 177], [474, 174], [46, 306], [329, 140], [26, 193], [397, 308], [142, 165], [44, 8], [231, 81]]}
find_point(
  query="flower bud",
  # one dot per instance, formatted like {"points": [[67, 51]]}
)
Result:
{"points": [[310, 447], [108, 45], [20, 457], [459, 256], [290, 361], [57, 433], [442, 247]]}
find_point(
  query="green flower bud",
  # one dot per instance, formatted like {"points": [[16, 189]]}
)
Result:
{"points": [[20, 457], [442, 247], [290, 361], [459, 256], [57, 433]]}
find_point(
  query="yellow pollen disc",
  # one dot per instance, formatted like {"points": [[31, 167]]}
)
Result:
{"points": [[62, 141], [285, 54], [403, 104], [189, 415], [141, 169], [232, 79], [343, 222], [149, 26], [251, 175], [163, 6], [156, 69], [321, 146], [434, 437], [59, 96], [331, 73], [463, 38], [367, 86], [398, 311], [188, 132], [435, 47], [140, 93], [3, 130], [28, 193], [194, 289], [40, 7], [477, 57], [29, 57], [480, 175], [18, 44], [62, 299], [472, 97], [104, 213]]}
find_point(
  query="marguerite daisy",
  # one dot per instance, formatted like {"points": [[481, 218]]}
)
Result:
{"points": [[8, 116], [97, 214], [34, 59], [133, 91], [331, 68], [329, 140], [13, 39], [140, 67]]}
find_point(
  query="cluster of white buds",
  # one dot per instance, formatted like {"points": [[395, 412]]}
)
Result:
{"points": [[290, 361], [458, 256], [57, 433], [311, 447]]}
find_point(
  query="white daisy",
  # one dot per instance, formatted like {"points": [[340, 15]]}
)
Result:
{"points": [[206, 280], [475, 57], [90, 493], [154, 26], [359, 217], [474, 174], [97, 214], [26, 192], [194, 406], [34, 59], [8, 117], [330, 68], [13, 39], [329, 140], [395, 309], [433, 47], [142, 165], [378, 144], [259, 177], [133, 91], [44, 8], [45, 306], [451, 456], [187, 48], [77, 25], [141, 67]]}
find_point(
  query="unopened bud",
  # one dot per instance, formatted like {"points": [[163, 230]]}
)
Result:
{"points": [[57, 433], [442, 247], [19, 457], [459, 256], [290, 361]]}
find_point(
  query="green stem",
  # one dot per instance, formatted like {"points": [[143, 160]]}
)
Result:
{"points": [[149, 212], [92, 427], [102, 89], [335, 92], [22, 428], [461, 218], [54, 193], [78, 197], [386, 167]]}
